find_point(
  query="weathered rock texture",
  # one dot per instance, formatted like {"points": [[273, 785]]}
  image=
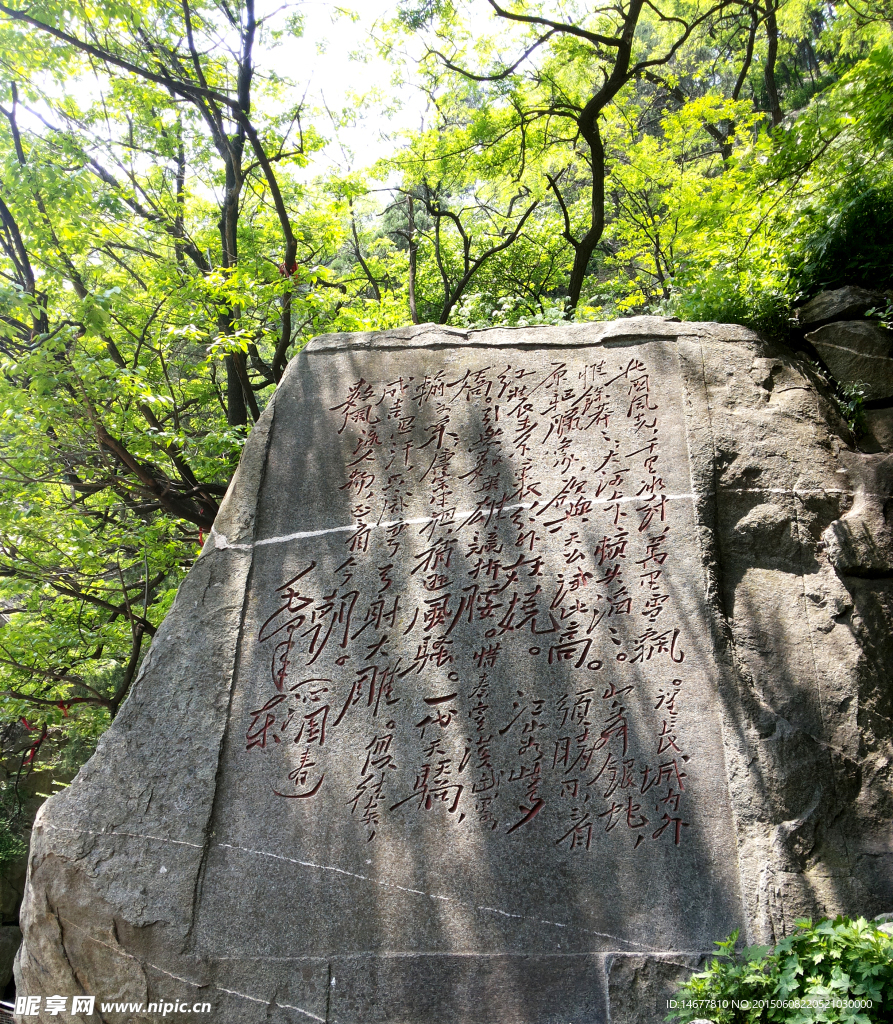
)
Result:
{"points": [[857, 352], [520, 667], [847, 303]]}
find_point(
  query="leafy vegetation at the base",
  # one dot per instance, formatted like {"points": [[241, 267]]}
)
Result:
{"points": [[834, 969]]}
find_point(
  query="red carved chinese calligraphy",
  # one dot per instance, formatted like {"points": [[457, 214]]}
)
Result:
{"points": [[494, 642]]}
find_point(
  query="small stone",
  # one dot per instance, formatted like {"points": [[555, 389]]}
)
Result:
{"points": [[857, 352], [848, 303], [884, 923], [879, 424]]}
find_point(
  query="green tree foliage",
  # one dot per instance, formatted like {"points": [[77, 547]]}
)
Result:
{"points": [[166, 245], [161, 259], [668, 141], [548, 91]]}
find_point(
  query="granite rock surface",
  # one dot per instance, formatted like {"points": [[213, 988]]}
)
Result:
{"points": [[520, 667], [848, 303], [857, 352]]}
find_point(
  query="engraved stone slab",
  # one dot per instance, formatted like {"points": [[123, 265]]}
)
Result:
{"points": [[446, 722], [474, 664]]}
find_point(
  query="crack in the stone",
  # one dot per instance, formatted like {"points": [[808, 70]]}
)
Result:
{"points": [[433, 896], [177, 977]]}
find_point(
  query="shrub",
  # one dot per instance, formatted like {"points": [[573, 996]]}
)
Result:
{"points": [[723, 296], [12, 846], [851, 241], [836, 966]]}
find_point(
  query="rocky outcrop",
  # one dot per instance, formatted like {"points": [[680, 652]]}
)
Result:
{"points": [[521, 666], [848, 303], [860, 543], [857, 353]]}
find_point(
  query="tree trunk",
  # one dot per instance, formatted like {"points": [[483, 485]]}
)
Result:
{"points": [[236, 410], [584, 249], [413, 251], [769, 73]]}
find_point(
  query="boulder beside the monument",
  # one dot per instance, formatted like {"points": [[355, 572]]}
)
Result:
{"points": [[515, 673], [858, 352], [848, 303]]}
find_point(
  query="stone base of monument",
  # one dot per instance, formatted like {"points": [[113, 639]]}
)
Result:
{"points": [[521, 666]]}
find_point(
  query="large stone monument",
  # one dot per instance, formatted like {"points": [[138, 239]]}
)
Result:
{"points": [[520, 666]]}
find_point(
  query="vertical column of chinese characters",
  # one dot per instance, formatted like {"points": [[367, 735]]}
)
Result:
{"points": [[614, 779], [664, 783], [653, 528], [573, 751], [575, 606], [441, 755], [486, 776], [573, 408], [590, 599], [298, 714], [504, 551], [437, 781], [623, 781], [485, 603], [385, 441], [667, 780]]}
